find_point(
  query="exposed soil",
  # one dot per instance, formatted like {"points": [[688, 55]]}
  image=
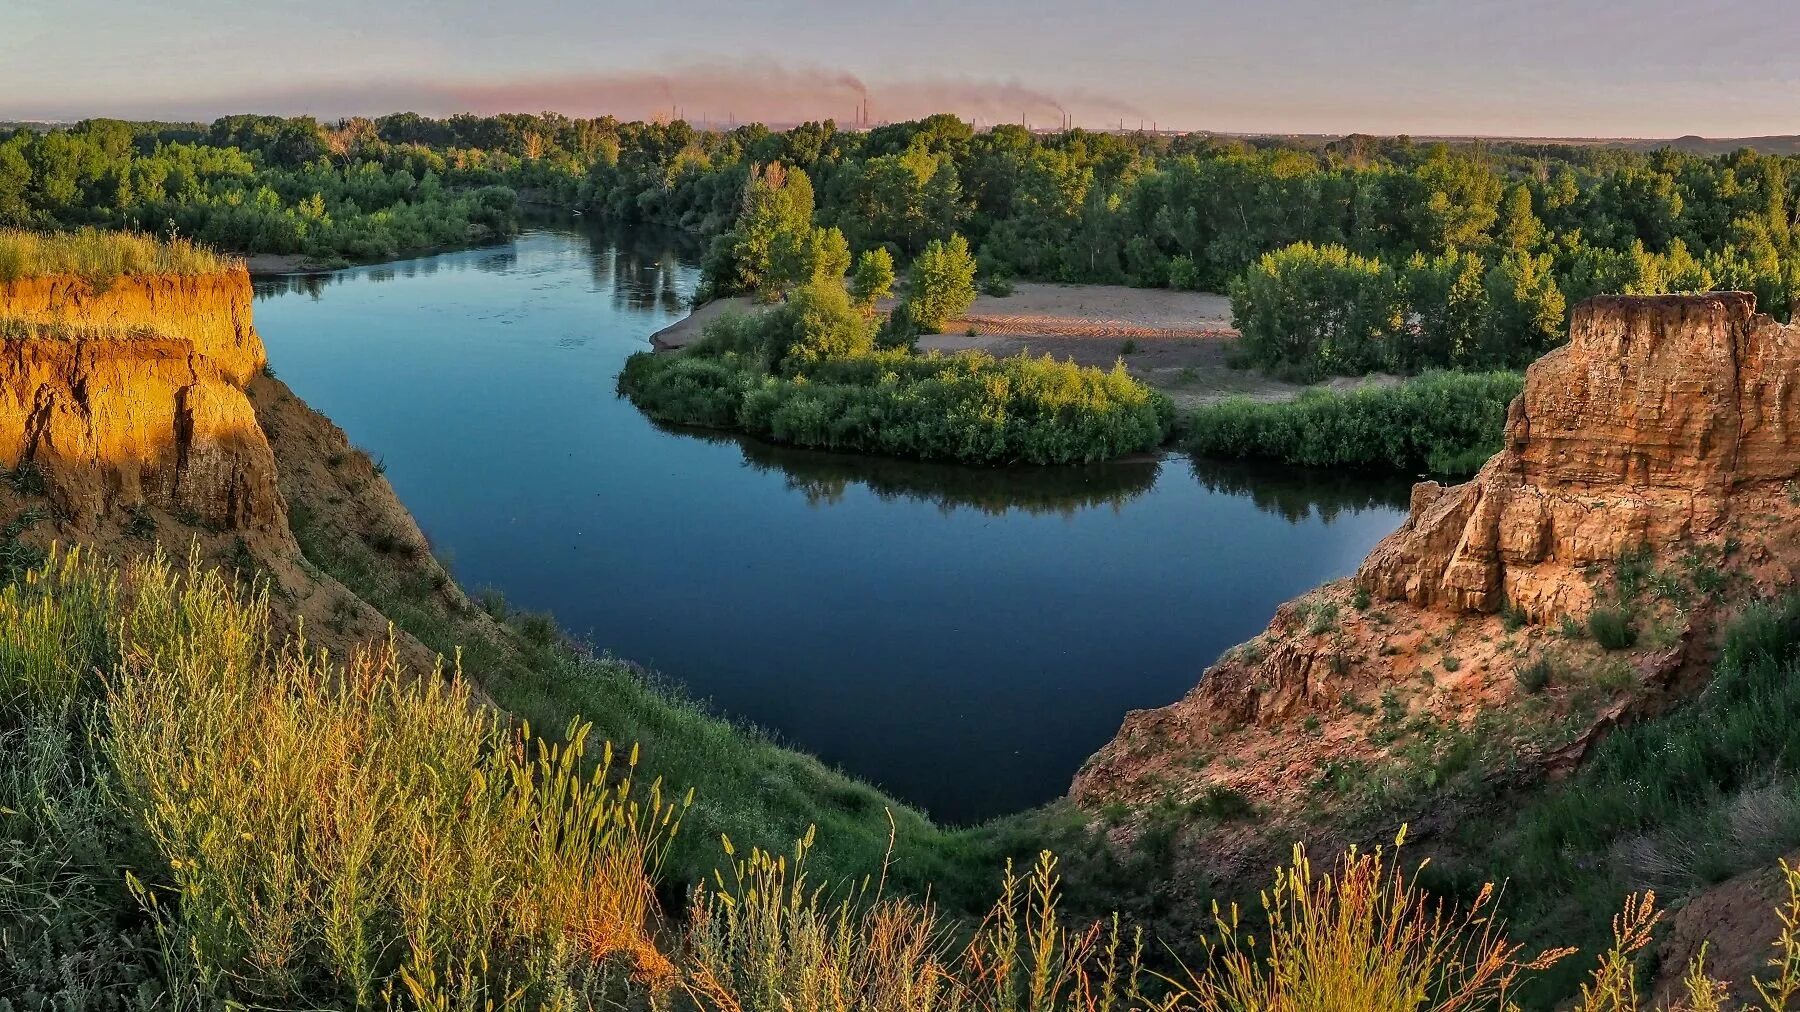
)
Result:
{"points": [[1179, 342]]}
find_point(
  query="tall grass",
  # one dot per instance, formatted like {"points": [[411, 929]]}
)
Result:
{"points": [[214, 820], [1690, 798], [97, 255], [1444, 423]]}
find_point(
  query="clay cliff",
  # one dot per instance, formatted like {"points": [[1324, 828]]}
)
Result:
{"points": [[1640, 431], [138, 413], [132, 395], [1646, 485]]}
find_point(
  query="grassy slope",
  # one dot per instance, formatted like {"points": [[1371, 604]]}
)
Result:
{"points": [[757, 792]]}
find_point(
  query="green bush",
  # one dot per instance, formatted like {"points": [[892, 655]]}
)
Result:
{"points": [[1445, 423], [942, 285], [1612, 628], [832, 392]]}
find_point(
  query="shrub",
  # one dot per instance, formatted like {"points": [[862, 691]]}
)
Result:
{"points": [[1612, 628], [817, 322], [1445, 423], [1535, 675], [969, 407], [873, 279], [942, 285]]}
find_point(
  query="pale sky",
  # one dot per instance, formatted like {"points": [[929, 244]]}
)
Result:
{"points": [[1643, 68]]}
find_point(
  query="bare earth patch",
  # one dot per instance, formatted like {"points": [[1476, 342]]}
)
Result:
{"points": [[1178, 341]]}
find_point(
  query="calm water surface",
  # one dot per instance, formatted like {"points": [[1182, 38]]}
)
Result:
{"points": [[962, 637]]}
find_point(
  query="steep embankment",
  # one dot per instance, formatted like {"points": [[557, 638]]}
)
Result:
{"points": [[125, 422], [1645, 487]]}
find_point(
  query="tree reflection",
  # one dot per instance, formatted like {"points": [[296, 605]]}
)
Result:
{"points": [[1298, 494]]}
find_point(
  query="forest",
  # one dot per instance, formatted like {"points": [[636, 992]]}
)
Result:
{"points": [[1342, 257]]}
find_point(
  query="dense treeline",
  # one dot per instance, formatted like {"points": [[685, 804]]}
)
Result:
{"points": [[1444, 423], [257, 185], [1356, 254]]}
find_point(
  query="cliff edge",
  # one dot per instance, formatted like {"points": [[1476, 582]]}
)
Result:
{"points": [[1646, 485]]}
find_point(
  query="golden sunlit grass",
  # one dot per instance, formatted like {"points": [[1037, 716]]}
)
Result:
{"points": [[304, 832], [98, 255]]}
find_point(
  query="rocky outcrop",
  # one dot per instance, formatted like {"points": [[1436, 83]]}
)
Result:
{"points": [[210, 312], [1649, 467], [1636, 434], [132, 395]]}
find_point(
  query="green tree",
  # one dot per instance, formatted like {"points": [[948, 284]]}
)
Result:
{"points": [[1520, 229], [873, 279], [1317, 310], [1527, 310], [942, 285], [801, 258], [816, 323], [777, 207]]}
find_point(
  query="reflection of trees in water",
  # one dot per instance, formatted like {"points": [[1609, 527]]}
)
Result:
{"points": [[640, 267], [823, 478], [1297, 494], [643, 267]]}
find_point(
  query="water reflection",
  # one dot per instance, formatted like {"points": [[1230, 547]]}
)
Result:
{"points": [[824, 478], [1298, 494]]}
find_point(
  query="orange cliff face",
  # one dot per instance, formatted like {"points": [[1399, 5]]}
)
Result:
{"points": [[1640, 431], [131, 394], [1666, 433], [211, 312]]}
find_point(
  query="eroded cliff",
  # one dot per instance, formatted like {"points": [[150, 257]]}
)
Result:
{"points": [[1647, 483], [137, 414], [132, 396]]}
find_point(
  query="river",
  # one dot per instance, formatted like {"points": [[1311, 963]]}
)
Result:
{"points": [[962, 637]]}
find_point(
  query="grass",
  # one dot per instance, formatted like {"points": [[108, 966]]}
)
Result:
{"points": [[99, 256], [1672, 803], [193, 815], [1443, 423], [1612, 628], [748, 785]]}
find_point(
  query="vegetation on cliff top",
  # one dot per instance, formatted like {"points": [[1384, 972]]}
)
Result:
{"points": [[99, 256]]}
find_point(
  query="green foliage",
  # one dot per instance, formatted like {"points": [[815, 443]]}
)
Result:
{"points": [[294, 188], [1536, 674], [805, 374], [942, 284], [1445, 423], [1317, 311], [817, 255], [1673, 803], [816, 324], [873, 279], [774, 224], [1612, 628]]}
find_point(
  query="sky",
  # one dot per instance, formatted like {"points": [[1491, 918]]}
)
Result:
{"points": [[1574, 68]]}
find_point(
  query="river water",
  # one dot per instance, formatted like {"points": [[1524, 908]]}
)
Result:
{"points": [[962, 637]]}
